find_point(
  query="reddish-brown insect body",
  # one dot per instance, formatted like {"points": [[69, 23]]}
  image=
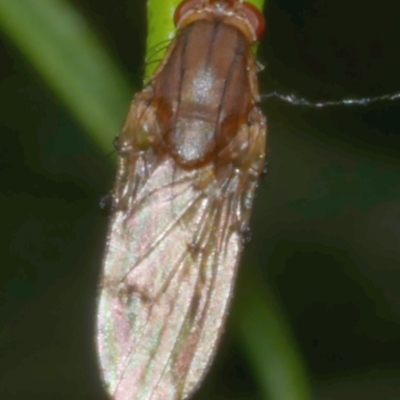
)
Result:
{"points": [[190, 154]]}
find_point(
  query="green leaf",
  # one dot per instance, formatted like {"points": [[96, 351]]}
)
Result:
{"points": [[267, 341]]}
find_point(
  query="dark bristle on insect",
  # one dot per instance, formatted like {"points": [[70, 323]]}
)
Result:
{"points": [[106, 204], [265, 170], [116, 143], [247, 236]]}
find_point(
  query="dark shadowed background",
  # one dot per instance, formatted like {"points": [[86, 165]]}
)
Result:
{"points": [[326, 223]]}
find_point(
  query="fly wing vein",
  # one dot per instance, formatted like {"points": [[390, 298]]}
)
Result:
{"points": [[160, 315]]}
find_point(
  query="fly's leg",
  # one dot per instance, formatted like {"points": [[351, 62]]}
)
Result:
{"points": [[243, 161], [142, 128], [136, 146], [250, 144], [252, 164]]}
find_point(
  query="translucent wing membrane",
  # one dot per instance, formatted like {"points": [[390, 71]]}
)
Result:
{"points": [[170, 268]]}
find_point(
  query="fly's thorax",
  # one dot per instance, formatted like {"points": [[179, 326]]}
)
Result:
{"points": [[238, 13], [204, 92]]}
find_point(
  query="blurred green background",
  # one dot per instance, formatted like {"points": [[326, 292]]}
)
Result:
{"points": [[326, 223]]}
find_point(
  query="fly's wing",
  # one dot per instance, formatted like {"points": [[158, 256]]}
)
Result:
{"points": [[172, 254]]}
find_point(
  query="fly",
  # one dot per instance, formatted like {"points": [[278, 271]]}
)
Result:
{"points": [[190, 153]]}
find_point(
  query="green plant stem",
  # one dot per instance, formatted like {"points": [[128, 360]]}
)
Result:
{"points": [[161, 29]]}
